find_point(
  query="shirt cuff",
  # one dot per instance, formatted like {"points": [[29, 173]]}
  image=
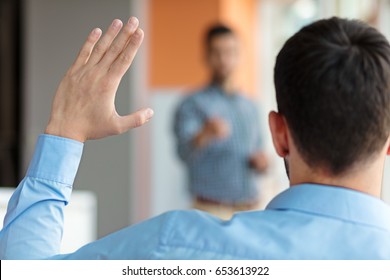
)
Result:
{"points": [[56, 159]]}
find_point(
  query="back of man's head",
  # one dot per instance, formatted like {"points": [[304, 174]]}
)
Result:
{"points": [[332, 82]]}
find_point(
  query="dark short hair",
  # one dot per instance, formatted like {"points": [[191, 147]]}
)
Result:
{"points": [[332, 81], [216, 31]]}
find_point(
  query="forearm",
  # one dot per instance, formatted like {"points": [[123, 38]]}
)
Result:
{"points": [[33, 225], [189, 143], [258, 161], [201, 139], [214, 129]]}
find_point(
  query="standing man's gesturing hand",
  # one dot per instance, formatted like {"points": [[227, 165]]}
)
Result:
{"points": [[84, 107]]}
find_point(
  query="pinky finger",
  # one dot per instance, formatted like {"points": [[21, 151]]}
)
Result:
{"points": [[87, 48]]}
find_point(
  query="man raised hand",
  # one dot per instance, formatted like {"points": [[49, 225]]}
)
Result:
{"points": [[83, 107]]}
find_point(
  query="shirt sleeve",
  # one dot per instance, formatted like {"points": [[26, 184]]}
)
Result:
{"points": [[33, 225], [188, 122], [148, 239]]}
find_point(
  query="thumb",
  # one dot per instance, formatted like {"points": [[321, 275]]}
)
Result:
{"points": [[136, 119]]}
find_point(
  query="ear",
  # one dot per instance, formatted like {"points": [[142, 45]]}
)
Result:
{"points": [[279, 133], [388, 148]]}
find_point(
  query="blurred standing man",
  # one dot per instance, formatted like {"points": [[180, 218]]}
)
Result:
{"points": [[218, 134]]}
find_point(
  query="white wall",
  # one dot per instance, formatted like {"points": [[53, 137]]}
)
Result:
{"points": [[169, 188], [54, 30]]}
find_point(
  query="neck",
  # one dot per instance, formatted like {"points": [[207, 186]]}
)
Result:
{"points": [[366, 178], [226, 84]]}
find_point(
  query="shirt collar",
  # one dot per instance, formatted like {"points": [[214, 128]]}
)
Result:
{"points": [[213, 87], [336, 202]]}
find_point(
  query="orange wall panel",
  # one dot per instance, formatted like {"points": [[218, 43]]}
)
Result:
{"points": [[176, 34], [240, 14]]}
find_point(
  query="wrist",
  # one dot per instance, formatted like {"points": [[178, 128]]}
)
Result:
{"points": [[64, 131]]}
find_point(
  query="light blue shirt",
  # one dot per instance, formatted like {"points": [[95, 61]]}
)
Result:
{"points": [[220, 171], [304, 222]]}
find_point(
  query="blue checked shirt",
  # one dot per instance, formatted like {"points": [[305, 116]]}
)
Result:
{"points": [[304, 222], [220, 171]]}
